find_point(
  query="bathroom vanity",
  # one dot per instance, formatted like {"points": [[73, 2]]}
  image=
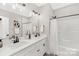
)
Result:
{"points": [[26, 47]]}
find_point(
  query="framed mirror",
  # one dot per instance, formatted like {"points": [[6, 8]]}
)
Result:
{"points": [[26, 27], [4, 27]]}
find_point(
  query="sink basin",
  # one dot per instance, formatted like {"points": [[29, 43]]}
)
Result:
{"points": [[19, 44]]}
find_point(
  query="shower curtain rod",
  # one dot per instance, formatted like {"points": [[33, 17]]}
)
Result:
{"points": [[66, 16]]}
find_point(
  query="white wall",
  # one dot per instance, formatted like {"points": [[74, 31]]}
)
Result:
{"points": [[45, 14], [56, 6], [68, 31], [68, 35], [67, 10]]}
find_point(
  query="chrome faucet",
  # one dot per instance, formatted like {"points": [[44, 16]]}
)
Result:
{"points": [[15, 39], [1, 43]]}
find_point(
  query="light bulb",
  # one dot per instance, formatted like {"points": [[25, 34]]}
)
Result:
{"points": [[21, 10]]}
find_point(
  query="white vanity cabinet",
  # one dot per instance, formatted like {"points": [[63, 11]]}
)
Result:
{"points": [[36, 49]]}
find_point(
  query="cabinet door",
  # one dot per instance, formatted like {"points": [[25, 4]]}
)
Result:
{"points": [[21, 52], [33, 52], [42, 46]]}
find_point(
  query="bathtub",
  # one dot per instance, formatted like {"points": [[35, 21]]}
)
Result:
{"points": [[67, 51]]}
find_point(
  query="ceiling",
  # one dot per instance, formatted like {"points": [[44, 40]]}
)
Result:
{"points": [[54, 5], [26, 9]]}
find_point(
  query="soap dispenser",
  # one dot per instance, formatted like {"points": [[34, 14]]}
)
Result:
{"points": [[29, 35], [1, 43]]}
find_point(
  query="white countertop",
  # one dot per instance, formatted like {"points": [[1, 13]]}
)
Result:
{"points": [[9, 50]]}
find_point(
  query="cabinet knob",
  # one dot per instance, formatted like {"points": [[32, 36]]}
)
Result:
{"points": [[38, 50], [43, 44]]}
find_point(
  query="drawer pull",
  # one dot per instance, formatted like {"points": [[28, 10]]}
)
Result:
{"points": [[38, 50]]}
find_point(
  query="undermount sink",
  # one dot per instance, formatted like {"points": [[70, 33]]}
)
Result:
{"points": [[19, 44]]}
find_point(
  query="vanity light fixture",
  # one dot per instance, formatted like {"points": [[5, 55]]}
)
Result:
{"points": [[16, 6], [23, 4], [35, 12]]}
